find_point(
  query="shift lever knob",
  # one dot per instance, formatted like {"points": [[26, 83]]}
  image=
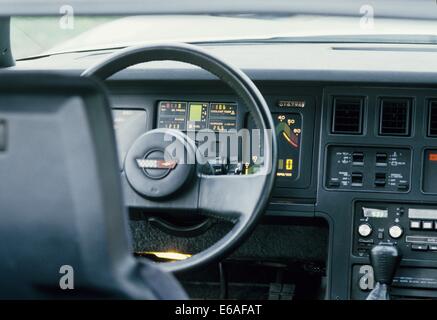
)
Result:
{"points": [[385, 259]]}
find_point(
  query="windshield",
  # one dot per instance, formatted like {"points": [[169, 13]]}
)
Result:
{"points": [[32, 36]]}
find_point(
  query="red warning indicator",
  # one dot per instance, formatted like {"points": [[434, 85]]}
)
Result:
{"points": [[432, 157]]}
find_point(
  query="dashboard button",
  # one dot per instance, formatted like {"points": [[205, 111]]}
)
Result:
{"points": [[414, 224], [357, 158], [380, 179], [427, 225], [419, 247], [357, 179], [381, 159]]}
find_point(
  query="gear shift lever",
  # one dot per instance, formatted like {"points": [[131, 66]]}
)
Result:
{"points": [[385, 259]]}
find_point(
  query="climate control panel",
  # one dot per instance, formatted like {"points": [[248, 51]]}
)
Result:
{"points": [[412, 228], [368, 169]]}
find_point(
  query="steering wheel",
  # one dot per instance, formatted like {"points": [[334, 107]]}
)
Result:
{"points": [[170, 183]]}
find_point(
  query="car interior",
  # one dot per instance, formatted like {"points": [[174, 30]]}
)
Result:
{"points": [[282, 156]]}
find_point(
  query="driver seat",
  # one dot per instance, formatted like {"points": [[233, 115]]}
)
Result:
{"points": [[64, 232]]}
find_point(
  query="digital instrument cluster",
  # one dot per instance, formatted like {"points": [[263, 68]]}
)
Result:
{"points": [[193, 116], [220, 117]]}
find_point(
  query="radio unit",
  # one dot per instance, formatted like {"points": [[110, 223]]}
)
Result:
{"points": [[413, 228]]}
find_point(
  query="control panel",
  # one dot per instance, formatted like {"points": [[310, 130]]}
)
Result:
{"points": [[413, 228], [368, 169]]}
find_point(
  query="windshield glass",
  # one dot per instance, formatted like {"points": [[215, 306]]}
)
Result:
{"points": [[33, 36]]}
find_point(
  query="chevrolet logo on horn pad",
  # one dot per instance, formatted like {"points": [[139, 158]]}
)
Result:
{"points": [[156, 164]]}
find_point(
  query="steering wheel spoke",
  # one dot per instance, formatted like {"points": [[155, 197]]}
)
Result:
{"points": [[228, 197]]}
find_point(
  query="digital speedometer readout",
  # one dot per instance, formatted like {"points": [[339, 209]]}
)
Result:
{"points": [[288, 128], [172, 115]]}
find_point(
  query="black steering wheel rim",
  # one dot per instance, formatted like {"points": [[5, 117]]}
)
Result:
{"points": [[255, 103]]}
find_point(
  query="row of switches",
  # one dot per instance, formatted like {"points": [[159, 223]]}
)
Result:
{"points": [[423, 225], [358, 158], [357, 179], [380, 181]]}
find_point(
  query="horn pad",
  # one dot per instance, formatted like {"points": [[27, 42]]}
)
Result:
{"points": [[160, 162]]}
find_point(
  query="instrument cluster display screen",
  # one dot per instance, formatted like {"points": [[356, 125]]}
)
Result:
{"points": [[173, 115], [192, 116]]}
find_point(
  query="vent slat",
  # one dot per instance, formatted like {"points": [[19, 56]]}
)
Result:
{"points": [[347, 115], [395, 117], [432, 124]]}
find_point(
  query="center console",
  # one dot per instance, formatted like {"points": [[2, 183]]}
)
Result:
{"points": [[378, 187], [412, 228]]}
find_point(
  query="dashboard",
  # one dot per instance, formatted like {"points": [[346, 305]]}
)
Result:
{"points": [[357, 133], [361, 157]]}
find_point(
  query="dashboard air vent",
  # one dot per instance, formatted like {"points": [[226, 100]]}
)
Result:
{"points": [[432, 124], [347, 115], [395, 117]]}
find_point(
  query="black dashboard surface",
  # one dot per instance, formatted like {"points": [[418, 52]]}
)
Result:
{"points": [[317, 74]]}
